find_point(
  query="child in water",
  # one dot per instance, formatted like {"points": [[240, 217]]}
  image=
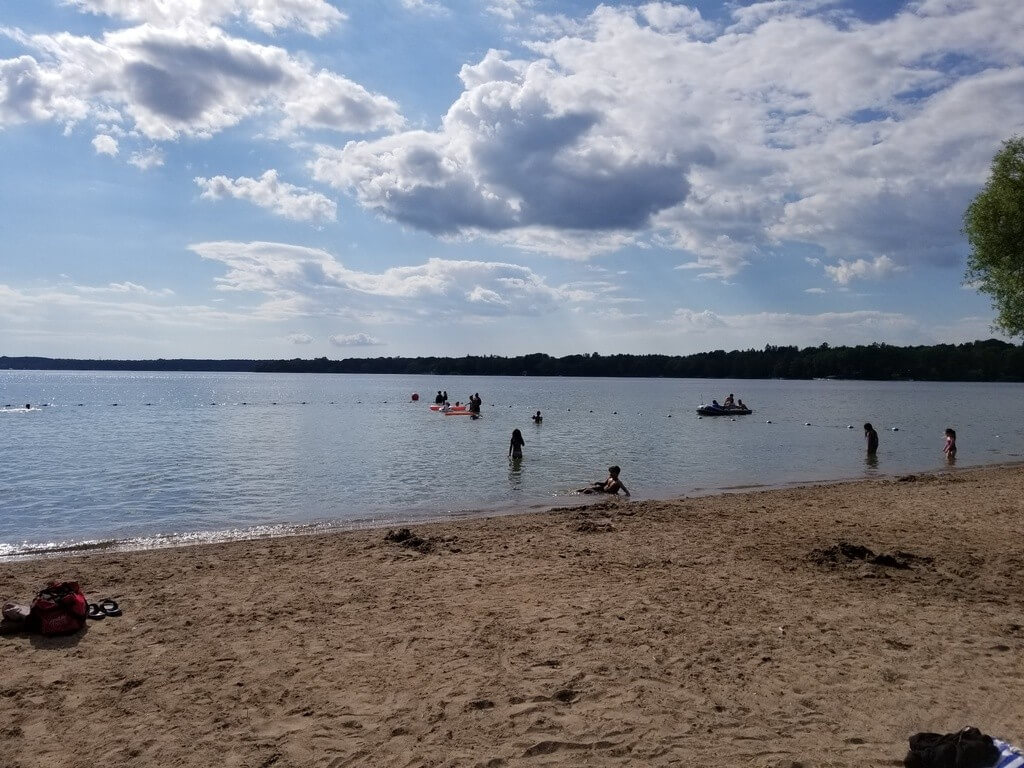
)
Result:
{"points": [[612, 485], [950, 447], [872, 438], [515, 446]]}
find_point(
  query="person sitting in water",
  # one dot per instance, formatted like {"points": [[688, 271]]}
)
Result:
{"points": [[537, 419], [612, 485], [729, 402]]}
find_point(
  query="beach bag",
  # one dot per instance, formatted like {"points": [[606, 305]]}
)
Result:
{"points": [[969, 748], [59, 609]]}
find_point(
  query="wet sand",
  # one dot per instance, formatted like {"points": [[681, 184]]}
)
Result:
{"points": [[729, 630]]}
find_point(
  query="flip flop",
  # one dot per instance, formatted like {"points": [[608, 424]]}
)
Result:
{"points": [[110, 607], [93, 611]]}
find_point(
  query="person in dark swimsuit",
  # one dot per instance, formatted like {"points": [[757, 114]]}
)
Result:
{"points": [[872, 438], [515, 446]]}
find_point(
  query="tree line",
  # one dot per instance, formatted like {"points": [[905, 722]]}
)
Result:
{"points": [[990, 360]]}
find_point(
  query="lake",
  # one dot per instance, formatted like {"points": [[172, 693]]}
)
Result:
{"points": [[164, 458]]}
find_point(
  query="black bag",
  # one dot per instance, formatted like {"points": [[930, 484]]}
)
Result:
{"points": [[969, 748]]}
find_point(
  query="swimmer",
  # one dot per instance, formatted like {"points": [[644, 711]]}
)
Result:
{"points": [[515, 446], [612, 485], [537, 419], [950, 447], [872, 438]]}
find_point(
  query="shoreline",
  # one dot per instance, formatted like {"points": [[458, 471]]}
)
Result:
{"points": [[185, 539], [719, 630]]}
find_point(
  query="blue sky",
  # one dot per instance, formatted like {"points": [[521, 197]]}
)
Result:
{"points": [[296, 178]]}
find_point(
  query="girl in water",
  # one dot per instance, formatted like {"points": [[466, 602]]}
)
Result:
{"points": [[950, 447], [515, 447]]}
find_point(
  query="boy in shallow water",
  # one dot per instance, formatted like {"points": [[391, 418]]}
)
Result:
{"points": [[612, 485]]}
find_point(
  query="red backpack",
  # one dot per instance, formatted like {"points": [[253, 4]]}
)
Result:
{"points": [[59, 609]]}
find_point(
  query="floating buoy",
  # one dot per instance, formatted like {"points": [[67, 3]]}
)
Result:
{"points": [[670, 415], [768, 422], [732, 419], [807, 423], [615, 413], [415, 396], [895, 429]]}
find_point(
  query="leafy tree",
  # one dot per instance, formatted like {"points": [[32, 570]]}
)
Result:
{"points": [[994, 225]]}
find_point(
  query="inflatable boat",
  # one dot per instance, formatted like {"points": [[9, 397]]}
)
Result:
{"points": [[710, 410]]}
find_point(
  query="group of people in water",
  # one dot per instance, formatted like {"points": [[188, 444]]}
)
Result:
{"points": [[948, 448], [612, 484], [474, 402], [730, 403]]}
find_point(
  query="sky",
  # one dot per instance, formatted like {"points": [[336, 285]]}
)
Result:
{"points": [[305, 178]]}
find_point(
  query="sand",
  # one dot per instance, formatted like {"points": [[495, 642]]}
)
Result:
{"points": [[715, 631]]}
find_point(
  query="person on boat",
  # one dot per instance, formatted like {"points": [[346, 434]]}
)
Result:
{"points": [[537, 418], [714, 404], [612, 485], [950, 447], [515, 446], [872, 439], [439, 399], [729, 402], [445, 407], [739, 404]]}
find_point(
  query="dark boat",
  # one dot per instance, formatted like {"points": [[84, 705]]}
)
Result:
{"points": [[710, 410]]}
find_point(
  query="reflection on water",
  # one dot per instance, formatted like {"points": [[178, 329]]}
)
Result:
{"points": [[871, 462], [515, 473]]}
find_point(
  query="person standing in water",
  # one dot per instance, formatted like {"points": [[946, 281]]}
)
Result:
{"points": [[950, 447], [872, 439], [515, 446], [439, 399], [537, 418]]}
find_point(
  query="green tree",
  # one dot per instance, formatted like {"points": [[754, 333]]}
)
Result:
{"points": [[994, 225]]}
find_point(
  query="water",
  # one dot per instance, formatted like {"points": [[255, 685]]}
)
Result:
{"points": [[187, 456]]}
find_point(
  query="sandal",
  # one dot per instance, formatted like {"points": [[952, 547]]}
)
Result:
{"points": [[93, 611], [110, 607]]}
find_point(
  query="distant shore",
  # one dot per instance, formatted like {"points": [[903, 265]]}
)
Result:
{"points": [[737, 629], [990, 360]]}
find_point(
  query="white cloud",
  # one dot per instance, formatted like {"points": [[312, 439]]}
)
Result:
{"points": [[862, 269], [191, 80], [301, 280], [299, 338], [354, 340], [105, 145], [798, 122], [147, 158], [815, 290], [125, 287], [269, 192], [313, 16]]}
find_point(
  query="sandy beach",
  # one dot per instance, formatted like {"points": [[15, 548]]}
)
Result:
{"points": [[731, 630]]}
